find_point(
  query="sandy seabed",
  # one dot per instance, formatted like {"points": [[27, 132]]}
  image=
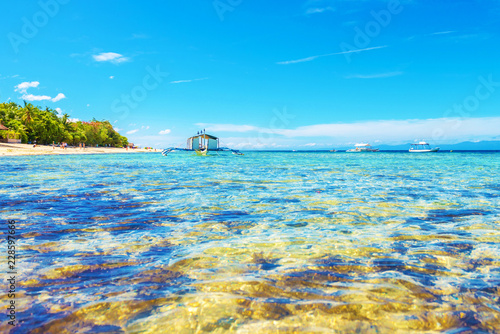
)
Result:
{"points": [[28, 149]]}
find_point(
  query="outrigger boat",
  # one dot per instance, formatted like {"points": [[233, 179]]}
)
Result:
{"points": [[422, 147], [363, 148], [201, 144]]}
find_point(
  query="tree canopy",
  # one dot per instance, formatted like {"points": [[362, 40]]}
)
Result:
{"points": [[30, 123]]}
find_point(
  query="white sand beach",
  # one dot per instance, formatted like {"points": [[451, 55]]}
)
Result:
{"points": [[28, 149]]}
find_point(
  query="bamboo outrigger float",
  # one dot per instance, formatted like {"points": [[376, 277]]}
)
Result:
{"points": [[201, 144]]}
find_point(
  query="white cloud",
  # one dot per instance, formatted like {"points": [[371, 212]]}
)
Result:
{"points": [[59, 97], [59, 111], [374, 76], [31, 97], [73, 120], [184, 81], [112, 57], [132, 131], [88, 105], [231, 128], [164, 132], [112, 77], [252, 143], [117, 129], [145, 127], [288, 62], [23, 86], [311, 144], [446, 130]]}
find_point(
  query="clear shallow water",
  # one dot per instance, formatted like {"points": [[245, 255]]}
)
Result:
{"points": [[296, 242]]}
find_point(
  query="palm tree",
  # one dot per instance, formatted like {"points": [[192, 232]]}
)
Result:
{"points": [[27, 114], [65, 118]]}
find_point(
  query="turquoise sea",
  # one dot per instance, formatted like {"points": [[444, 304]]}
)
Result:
{"points": [[268, 242]]}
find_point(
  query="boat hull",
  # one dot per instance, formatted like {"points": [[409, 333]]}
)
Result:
{"points": [[425, 151]]}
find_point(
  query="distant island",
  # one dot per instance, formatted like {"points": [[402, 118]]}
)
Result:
{"points": [[46, 126]]}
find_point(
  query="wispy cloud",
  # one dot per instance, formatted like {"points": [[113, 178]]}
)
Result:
{"points": [[9, 76], [442, 32], [288, 62], [131, 132], [140, 36], [319, 10], [164, 132], [111, 57], [374, 76], [184, 81]]}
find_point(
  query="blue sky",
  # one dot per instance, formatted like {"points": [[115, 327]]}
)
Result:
{"points": [[286, 74]]}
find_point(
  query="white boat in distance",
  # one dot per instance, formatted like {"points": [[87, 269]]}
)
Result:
{"points": [[422, 147], [363, 148]]}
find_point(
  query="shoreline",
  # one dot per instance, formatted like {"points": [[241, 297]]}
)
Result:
{"points": [[28, 149]]}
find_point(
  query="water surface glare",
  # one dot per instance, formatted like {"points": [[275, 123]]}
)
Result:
{"points": [[260, 243]]}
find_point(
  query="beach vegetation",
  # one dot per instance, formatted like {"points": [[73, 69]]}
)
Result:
{"points": [[47, 126]]}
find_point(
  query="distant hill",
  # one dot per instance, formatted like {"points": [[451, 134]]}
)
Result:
{"points": [[468, 145]]}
